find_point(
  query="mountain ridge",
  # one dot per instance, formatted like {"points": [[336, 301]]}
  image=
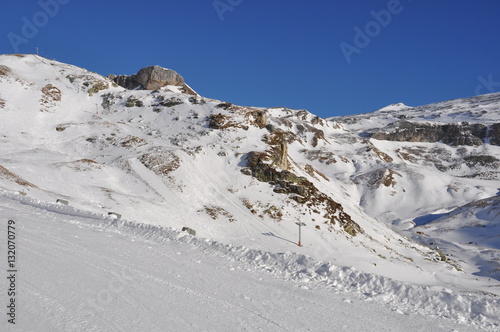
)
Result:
{"points": [[235, 173]]}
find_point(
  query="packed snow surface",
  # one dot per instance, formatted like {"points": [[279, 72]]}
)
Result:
{"points": [[78, 271]]}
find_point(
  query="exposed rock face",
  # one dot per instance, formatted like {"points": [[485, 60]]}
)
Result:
{"points": [[124, 81], [300, 190], [259, 118], [318, 133], [4, 70], [151, 78], [279, 149], [155, 77], [281, 155], [453, 134], [218, 121], [379, 177], [253, 117], [161, 163], [494, 134], [482, 161], [5, 173]]}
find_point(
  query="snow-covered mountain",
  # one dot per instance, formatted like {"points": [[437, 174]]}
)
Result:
{"points": [[432, 157], [244, 176], [420, 163]]}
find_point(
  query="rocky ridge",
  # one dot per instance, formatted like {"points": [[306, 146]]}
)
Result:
{"points": [[452, 134]]}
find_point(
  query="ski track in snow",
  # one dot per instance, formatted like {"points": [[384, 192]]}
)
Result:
{"points": [[81, 271]]}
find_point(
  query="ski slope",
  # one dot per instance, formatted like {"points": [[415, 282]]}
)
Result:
{"points": [[79, 271]]}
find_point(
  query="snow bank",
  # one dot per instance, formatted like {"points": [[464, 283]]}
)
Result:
{"points": [[475, 309]]}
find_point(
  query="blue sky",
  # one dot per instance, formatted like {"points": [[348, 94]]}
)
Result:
{"points": [[277, 52]]}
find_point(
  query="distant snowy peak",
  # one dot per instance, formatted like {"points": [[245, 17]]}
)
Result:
{"points": [[393, 108], [470, 121], [482, 109]]}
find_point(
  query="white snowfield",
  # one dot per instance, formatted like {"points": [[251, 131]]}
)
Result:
{"points": [[157, 159], [78, 271]]}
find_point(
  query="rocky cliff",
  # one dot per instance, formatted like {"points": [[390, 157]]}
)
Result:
{"points": [[151, 78], [453, 134]]}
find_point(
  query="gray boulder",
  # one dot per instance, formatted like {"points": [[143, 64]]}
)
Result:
{"points": [[155, 77], [151, 78]]}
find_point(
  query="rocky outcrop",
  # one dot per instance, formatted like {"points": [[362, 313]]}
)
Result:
{"points": [[161, 163], [300, 190], [151, 78], [318, 134], [453, 134], [4, 70], [124, 81], [494, 134], [257, 118], [221, 121], [155, 77], [482, 161], [273, 167], [280, 155], [217, 121], [5, 173], [278, 141]]}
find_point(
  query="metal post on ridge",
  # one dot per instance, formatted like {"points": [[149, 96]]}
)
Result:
{"points": [[300, 224]]}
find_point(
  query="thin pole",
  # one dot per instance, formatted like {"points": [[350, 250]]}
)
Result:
{"points": [[300, 224]]}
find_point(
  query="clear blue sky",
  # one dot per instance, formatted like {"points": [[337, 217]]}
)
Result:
{"points": [[277, 52]]}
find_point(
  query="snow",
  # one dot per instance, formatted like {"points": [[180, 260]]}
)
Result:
{"points": [[81, 272], [471, 231], [481, 109], [82, 151]]}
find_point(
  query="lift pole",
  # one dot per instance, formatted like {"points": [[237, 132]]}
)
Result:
{"points": [[300, 223]]}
